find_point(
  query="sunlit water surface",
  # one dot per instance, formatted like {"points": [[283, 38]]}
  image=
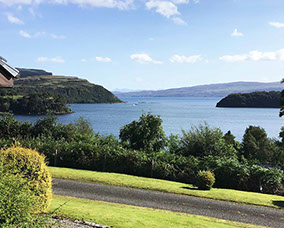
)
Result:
{"points": [[177, 114]]}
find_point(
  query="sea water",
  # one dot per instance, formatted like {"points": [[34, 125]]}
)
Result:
{"points": [[176, 113]]}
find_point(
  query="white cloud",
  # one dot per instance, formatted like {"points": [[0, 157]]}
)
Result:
{"points": [[237, 33], [41, 34], [233, 58], [143, 58], [57, 37], [103, 59], [50, 60], [120, 4], [277, 24], [83, 60], [180, 1], [25, 34], [164, 8], [185, 59], [14, 20], [179, 21], [255, 56], [167, 9]]}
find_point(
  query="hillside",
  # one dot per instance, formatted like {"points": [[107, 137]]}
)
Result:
{"points": [[32, 72], [211, 90], [73, 89], [251, 100]]}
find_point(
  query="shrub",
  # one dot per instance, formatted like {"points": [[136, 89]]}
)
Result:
{"points": [[256, 144], [265, 180], [31, 166], [203, 141], [146, 134], [17, 203], [230, 173], [205, 180]]}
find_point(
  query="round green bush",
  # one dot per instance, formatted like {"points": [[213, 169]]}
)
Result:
{"points": [[17, 203], [31, 167], [205, 180]]}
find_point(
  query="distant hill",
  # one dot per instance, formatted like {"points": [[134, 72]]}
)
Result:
{"points": [[211, 90], [73, 89], [32, 72], [251, 100]]}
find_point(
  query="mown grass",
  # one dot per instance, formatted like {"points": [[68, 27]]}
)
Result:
{"points": [[166, 186], [119, 215]]}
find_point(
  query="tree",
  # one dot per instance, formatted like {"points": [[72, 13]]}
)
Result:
{"points": [[230, 139], [202, 141], [256, 144], [282, 101], [146, 134]]}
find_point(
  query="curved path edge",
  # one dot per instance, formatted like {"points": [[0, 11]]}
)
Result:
{"points": [[166, 201]]}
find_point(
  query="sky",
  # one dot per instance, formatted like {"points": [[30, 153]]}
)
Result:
{"points": [[146, 44]]}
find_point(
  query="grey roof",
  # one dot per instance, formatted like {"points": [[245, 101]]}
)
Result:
{"points": [[12, 71], [3, 59]]}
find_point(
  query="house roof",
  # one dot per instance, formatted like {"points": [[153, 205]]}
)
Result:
{"points": [[7, 73]]}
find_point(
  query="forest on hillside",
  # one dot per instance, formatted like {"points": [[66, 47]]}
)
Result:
{"points": [[251, 100]]}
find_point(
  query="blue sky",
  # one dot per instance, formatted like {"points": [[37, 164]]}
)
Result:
{"points": [[147, 44]]}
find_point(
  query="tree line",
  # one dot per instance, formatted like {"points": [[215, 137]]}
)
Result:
{"points": [[33, 104], [143, 149]]}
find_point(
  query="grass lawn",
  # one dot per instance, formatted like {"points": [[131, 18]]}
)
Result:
{"points": [[119, 215], [167, 186]]}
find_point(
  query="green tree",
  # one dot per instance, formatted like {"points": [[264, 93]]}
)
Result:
{"points": [[230, 139], [202, 141], [146, 134], [281, 113], [83, 126], [256, 145], [174, 144]]}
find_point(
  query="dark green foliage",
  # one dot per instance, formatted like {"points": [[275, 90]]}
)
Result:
{"points": [[12, 128], [75, 145], [146, 134], [34, 104], [72, 89], [174, 145], [256, 144], [281, 113], [233, 174], [32, 72], [202, 141], [17, 203], [83, 127], [251, 100], [229, 173], [266, 180], [230, 140], [205, 180], [47, 127]]}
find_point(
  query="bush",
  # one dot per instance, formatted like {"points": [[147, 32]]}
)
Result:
{"points": [[265, 180], [17, 203], [146, 134], [203, 141], [230, 173], [256, 145], [205, 180], [31, 166]]}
